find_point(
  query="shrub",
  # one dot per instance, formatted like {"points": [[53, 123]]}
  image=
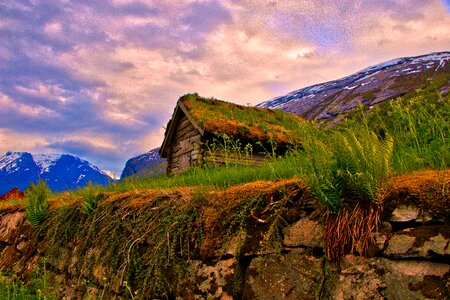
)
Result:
{"points": [[363, 162], [36, 202], [317, 163]]}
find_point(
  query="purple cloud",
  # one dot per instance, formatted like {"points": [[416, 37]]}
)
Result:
{"points": [[114, 71], [447, 4], [110, 158], [186, 32]]}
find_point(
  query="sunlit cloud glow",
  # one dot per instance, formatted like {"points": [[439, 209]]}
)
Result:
{"points": [[100, 79]]}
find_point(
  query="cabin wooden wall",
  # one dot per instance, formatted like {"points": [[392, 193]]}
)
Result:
{"points": [[217, 158], [185, 149]]}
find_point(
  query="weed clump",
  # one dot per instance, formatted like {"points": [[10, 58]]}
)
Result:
{"points": [[36, 203], [91, 196]]}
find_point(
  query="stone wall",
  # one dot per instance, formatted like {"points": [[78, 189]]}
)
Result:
{"points": [[409, 259]]}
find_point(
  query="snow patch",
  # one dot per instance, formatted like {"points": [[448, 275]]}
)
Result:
{"points": [[111, 174], [383, 65], [441, 64], [415, 71], [46, 161], [8, 163], [80, 178]]}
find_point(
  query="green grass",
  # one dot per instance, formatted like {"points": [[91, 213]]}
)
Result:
{"points": [[353, 159], [419, 125], [36, 202], [243, 122], [345, 165]]}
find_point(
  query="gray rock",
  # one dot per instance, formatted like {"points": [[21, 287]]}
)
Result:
{"points": [[405, 213], [295, 275], [9, 223], [420, 242], [209, 281], [304, 233], [380, 278], [400, 245]]}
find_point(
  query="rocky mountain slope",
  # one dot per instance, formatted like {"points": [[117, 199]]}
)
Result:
{"points": [[60, 171], [147, 164], [370, 86]]}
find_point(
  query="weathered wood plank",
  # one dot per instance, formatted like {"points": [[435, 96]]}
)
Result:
{"points": [[184, 143], [185, 133], [188, 115], [195, 138], [184, 122], [185, 161]]}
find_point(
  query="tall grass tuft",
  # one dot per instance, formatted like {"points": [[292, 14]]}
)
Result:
{"points": [[91, 196], [363, 162], [317, 164], [420, 127], [36, 202]]}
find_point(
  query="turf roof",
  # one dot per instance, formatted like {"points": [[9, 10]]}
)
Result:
{"points": [[243, 122]]}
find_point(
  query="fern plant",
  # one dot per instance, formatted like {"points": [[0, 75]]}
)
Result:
{"points": [[363, 162], [36, 202], [317, 163]]}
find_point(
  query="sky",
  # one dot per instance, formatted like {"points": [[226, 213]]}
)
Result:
{"points": [[100, 79]]}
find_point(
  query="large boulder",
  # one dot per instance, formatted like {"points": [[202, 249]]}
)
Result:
{"points": [[306, 233], [294, 275], [421, 242], [381, 278]]}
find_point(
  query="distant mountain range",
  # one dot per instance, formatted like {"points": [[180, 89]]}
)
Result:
{"points": [[147, 164], [60, 171], [370, 86]]}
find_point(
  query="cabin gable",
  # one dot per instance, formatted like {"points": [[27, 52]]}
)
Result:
{"points": [[184, 149]]}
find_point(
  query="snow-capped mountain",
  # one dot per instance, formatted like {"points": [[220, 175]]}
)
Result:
{"points": [[147, 164], [369, 86], [60, 171], [111, 174]]}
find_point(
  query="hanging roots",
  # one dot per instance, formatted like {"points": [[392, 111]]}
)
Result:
{"points": [[351, 231]]}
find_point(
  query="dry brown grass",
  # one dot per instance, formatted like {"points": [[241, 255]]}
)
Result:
{"points": [[351, 230], [242, 122], [417, 182]]}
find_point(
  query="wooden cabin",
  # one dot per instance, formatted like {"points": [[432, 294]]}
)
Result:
{"points": [[209, 131]]}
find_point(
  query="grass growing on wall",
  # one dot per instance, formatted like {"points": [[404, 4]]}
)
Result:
{"points": [[12, 288], [36, 197], [245, 122], [347, 167], [147, 239]]}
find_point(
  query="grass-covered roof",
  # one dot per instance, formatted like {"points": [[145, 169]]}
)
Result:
{"points": [[243, 122]]}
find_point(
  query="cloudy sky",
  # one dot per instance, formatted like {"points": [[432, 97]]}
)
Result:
{"points": [[100, 79]]}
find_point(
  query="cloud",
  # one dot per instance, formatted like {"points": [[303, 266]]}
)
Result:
{"points": [[14, 141], [107, 154], [447, 4], [100, 78]]}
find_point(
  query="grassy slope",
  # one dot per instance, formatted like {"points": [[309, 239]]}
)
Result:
{"points": [[418, 124], [353, 161]]}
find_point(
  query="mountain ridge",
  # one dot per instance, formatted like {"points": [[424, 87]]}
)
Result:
{"points": [[146, 164], [369, 86], [60, 171]]}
